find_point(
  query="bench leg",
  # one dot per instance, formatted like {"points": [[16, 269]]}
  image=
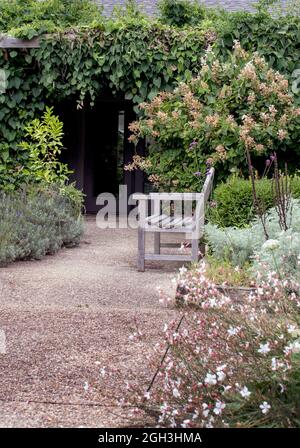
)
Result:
{"points": [[141, 249], [195, 250], [202, 249], [157, 243]]}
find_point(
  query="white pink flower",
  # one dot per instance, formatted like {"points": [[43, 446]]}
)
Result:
{"points": [[265, 407], [206, 410], [245, 392], [233, 331], [219, 406], [264, 348], [176, 392], [210, 379]]}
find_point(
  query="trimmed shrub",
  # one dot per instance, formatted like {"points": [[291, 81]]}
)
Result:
{"points": [[233, 200], [38, 220]]}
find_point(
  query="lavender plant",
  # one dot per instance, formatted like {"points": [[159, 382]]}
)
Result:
{"points": [[38, 220]]}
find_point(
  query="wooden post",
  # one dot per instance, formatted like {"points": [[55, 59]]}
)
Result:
{"points": [[157, 211], [195, 250], [202, 248]]}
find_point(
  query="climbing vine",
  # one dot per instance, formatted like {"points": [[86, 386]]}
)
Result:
{"points": [[30, 18], [83, 56], [133, 59]]}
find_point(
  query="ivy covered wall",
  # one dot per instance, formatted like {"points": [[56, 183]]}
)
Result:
{"points": [[82, 55], [132, 60]]}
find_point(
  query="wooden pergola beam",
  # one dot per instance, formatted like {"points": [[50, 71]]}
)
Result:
{"points": [[13, 42]]}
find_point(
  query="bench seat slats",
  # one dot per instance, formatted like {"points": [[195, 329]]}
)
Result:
{"points": [[166, 222], [155, 219]]}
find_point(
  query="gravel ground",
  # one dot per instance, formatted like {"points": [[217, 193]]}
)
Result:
{"points": [[69, 315]]}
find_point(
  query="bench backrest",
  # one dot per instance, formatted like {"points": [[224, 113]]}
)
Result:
{"points": [[182, 202]]}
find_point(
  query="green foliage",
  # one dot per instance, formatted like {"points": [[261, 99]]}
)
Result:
{"points": [[295, 186], [284, 399], [131, 56], [128, 57], [223, 272], [235, 360], [180, 12], [29, 18], [280, 255], [214, 117], [43, 145], [232, 244], [186, 13], [233, 200], [153, 60], [277, 39], [38, 220]]}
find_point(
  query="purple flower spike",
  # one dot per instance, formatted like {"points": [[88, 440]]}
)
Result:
{"points": [[198, 174]]}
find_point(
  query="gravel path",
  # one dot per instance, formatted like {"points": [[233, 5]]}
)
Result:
{"points": [[67, 316]]}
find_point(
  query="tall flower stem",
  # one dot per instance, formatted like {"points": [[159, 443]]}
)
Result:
{"points": [[257, 205]]}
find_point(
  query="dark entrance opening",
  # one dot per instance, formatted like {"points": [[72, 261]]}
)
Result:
{"points": [[97, 148]]}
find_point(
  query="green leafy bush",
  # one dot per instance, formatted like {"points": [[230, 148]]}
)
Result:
{"points": [[211, 119], [233, 200], [276, 38], [84, 56], [40, 151], [38, 220], [43, 145], [187, 13], [39, 211], [181, 12], [30, 18]]}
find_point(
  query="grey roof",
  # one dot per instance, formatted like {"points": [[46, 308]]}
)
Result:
{"points": [[150, 6]]}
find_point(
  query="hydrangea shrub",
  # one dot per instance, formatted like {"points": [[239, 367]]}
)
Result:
{"points": [[231, 106]]}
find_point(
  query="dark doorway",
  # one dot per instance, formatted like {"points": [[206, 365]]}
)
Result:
{"points": [[96, 148]]}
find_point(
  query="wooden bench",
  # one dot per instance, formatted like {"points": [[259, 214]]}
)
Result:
{"points": [[176, 213]]}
